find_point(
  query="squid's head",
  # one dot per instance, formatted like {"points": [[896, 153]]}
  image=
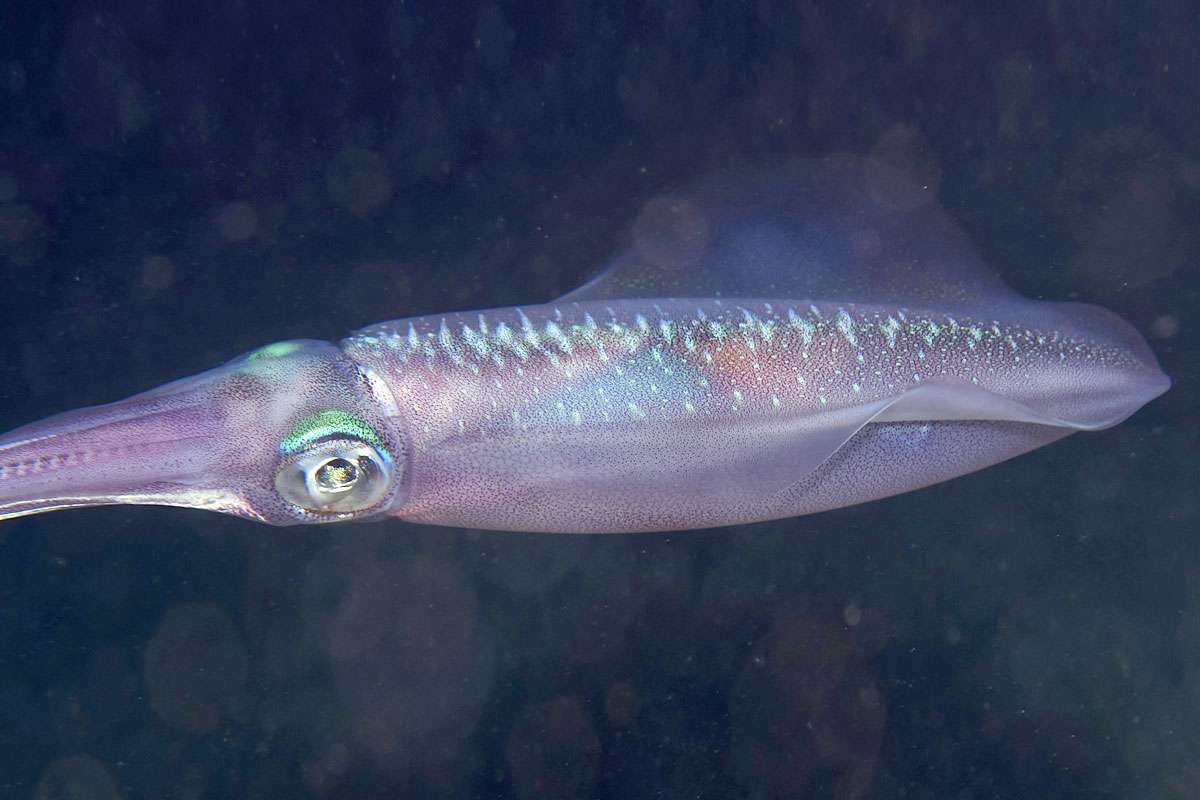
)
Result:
{"points": [[294, 432]]}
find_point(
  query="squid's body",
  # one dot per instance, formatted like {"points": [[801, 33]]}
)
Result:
{"points": [[766, 347], [671, 414]]}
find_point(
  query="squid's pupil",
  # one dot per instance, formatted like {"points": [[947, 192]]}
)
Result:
{"points": [[337, 474]]}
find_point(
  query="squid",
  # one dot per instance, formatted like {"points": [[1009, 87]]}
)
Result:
{"points": [[766, 343]]}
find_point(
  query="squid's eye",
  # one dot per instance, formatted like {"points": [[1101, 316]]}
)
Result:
{"points": [[335, 477]]}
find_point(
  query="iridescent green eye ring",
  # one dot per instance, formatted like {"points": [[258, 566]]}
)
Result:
{"points": [[334, 463], [326, 424]]}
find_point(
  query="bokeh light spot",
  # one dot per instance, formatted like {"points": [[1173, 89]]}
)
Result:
{"points": [[237, 221], [195, 667], [81, 777]]}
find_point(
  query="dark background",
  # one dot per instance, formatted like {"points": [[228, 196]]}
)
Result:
{"points": [[184, 181]]}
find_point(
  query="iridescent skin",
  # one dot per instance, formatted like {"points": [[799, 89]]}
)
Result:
{"points": [[638, 415], [618, 408]]}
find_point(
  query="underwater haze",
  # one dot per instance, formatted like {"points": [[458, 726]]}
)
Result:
{"points": [[181, 183]]}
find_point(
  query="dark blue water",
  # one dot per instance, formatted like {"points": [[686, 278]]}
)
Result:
{"points": [[181, 182]]}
